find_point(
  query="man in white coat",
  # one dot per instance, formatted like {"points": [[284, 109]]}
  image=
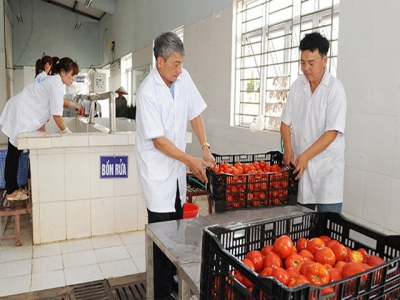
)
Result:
{"points": [[316, 112], [166, 100]]}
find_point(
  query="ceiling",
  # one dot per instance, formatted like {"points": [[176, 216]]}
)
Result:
{"points": [[93, 9]]}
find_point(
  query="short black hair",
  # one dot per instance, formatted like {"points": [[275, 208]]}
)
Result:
{"points": [[313, 41]]}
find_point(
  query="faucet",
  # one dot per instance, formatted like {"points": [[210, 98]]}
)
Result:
{"points": [[107, 95]]}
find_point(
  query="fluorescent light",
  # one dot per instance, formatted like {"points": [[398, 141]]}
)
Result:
{"points": [[87, 3]]}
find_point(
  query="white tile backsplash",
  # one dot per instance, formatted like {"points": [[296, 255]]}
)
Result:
{"points": [[51, 173], [126, 218], [381, 136], [354, 190], [103, 216], [377, 196], [78, 220], [52, 222], [77, 176]]}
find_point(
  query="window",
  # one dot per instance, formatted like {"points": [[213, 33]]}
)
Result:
{"points": [[267, 54], [126, 77]]}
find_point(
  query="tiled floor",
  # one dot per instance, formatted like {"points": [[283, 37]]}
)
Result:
{"points": [[30, 268]]}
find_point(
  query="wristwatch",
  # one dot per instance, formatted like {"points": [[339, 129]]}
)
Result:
{"points": [[205, 144]]}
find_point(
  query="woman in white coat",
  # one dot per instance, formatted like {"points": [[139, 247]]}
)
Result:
{"points": [[43, 66], [29, 110]]}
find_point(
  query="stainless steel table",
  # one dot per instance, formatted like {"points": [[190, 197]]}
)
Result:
{"points": [[181, 240]]}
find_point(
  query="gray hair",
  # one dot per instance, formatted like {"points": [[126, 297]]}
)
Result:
{"points": [[166, 44]]}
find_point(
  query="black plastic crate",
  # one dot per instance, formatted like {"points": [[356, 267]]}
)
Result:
{"points": [[224, 248], [232, 192]]}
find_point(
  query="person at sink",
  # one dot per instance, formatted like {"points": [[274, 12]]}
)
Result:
{"points": [[43, 68], [28, 111], [166, 100]]}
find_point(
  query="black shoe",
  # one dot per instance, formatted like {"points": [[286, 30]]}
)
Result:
{"points": [[169, 297], [174, 284]]}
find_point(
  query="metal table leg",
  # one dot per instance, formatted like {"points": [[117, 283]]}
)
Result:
{"points": [[149, 268]]}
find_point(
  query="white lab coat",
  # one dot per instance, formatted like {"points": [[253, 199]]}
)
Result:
{"points": [[310, 115], [158, 114], [32, 107]]}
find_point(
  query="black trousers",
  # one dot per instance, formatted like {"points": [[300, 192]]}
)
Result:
{"points": [[163, 267], [11, 168]]}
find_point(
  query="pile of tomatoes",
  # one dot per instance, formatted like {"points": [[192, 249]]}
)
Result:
{"points": [[238, 168], [254, 184], [316, 261]]}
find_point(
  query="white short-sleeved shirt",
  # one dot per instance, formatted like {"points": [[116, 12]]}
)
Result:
{"points": [[158, 115], [33, 107], [86, 107], [310, 115]]}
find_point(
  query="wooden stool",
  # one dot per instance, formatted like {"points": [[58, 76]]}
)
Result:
{"points": [[23, 209]]}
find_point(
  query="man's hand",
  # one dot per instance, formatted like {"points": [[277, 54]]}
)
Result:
{"points": [[288, 157], [208, 157], [197, 166], [301, 164]]}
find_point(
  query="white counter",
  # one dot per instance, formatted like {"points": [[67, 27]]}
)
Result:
{"points": [[69, 198]]}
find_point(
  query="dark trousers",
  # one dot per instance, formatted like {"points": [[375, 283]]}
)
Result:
{"points": [[163, 267], [11, 168]]}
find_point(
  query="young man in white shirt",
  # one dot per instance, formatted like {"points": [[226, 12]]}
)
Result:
{"points": [[312, 129]]}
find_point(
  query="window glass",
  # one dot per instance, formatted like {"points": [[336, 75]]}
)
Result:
{"points": [[267, 54]]}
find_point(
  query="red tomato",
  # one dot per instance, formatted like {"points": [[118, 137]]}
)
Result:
{"points": [[272, 259], [249, 263], [281, 274], [247, 283], [325, 256], [339, 265], [364, 254], [340, 251], [328, 290], [298, 281], [332, 242], [314, 244], [238, 276], [305, 266], [375, 260], [293, 272], [307, 255], [301, 244], [266, 271], [352, 268], [354, 256], [317, 274], [294, 260], [334, 274], [283, 246], [325, 238], [256, 258], [266, 249]]}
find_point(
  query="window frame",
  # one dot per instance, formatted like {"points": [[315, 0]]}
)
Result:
{"points": [[324, 16]]}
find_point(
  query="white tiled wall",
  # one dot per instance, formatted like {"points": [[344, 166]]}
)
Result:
{"points": [[369, 68], [71, 201]]}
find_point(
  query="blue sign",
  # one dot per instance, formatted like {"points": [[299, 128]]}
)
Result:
{"points": [[113, 166]]}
